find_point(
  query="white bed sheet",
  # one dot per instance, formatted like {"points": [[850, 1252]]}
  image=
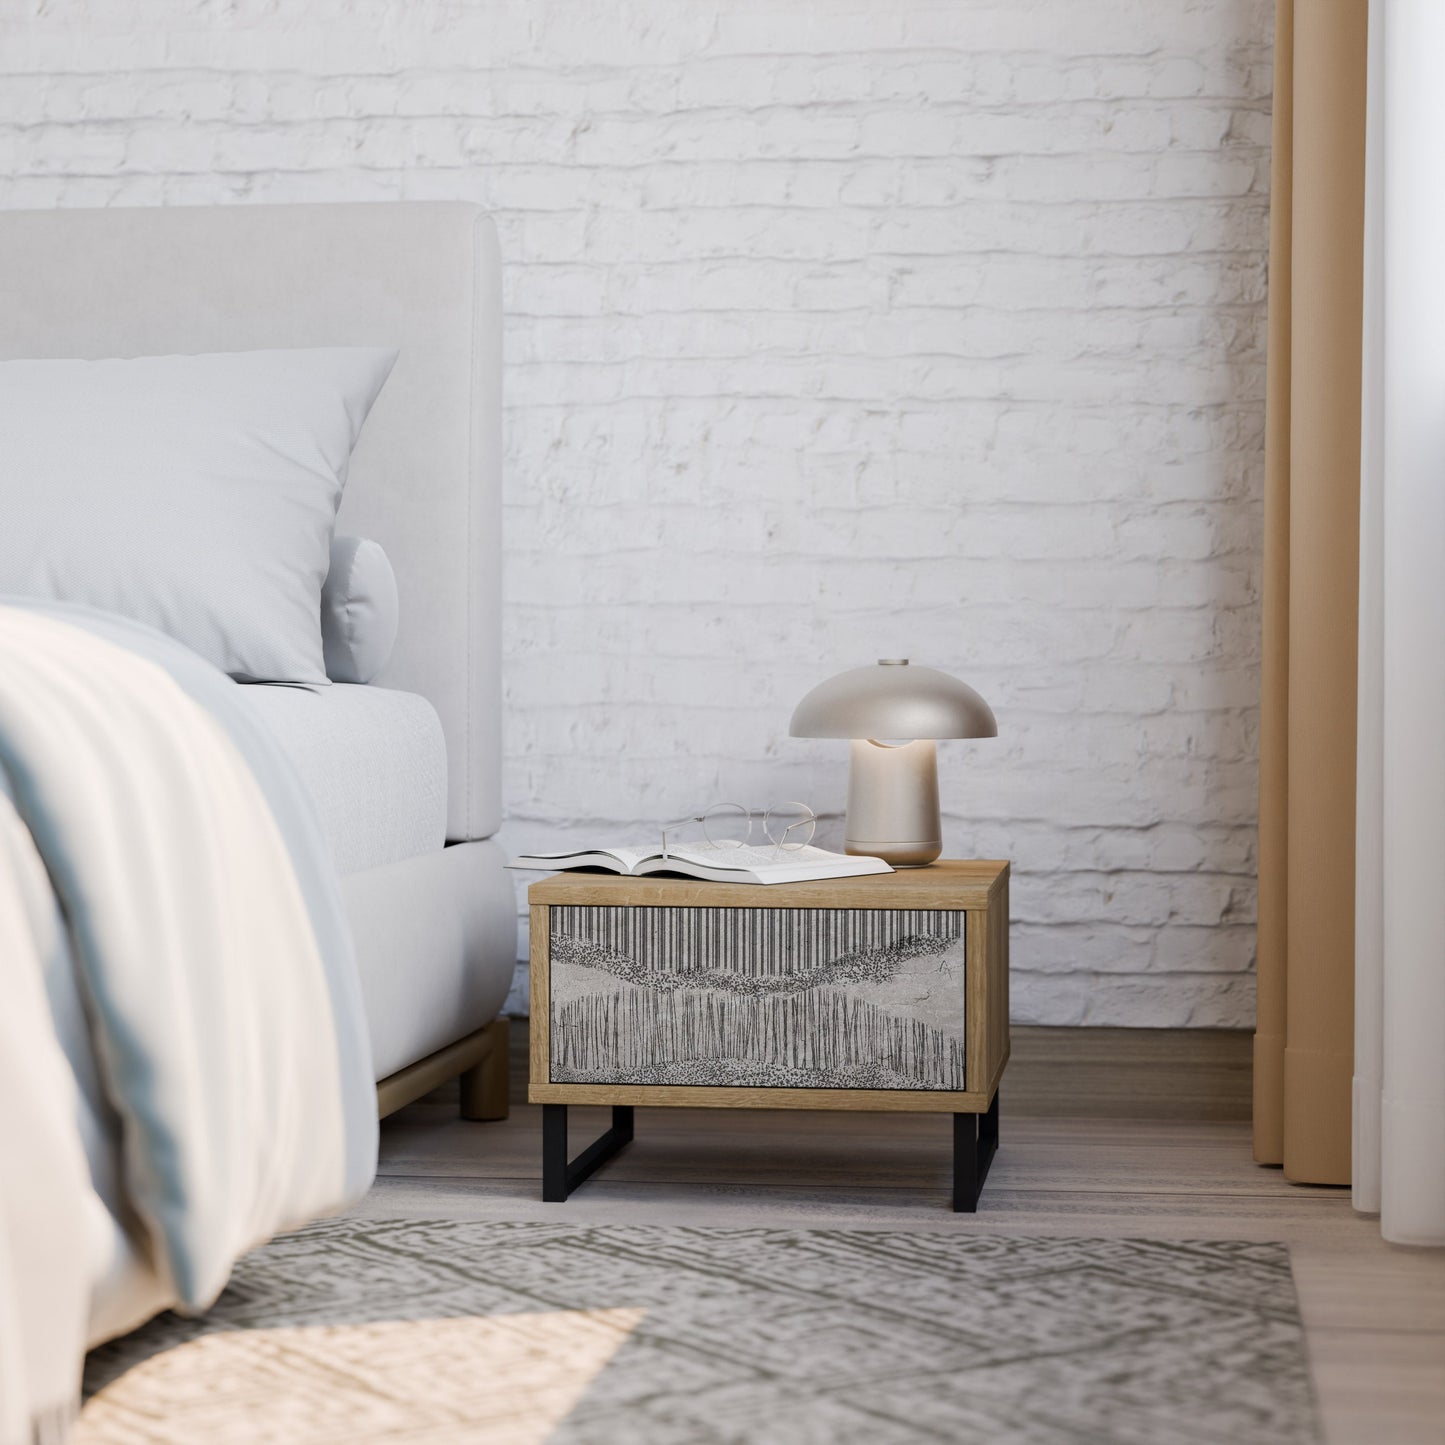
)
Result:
{"points": [[373, 760]]}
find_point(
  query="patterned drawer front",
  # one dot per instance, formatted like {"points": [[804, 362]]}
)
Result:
{"points": [[827, 998]]}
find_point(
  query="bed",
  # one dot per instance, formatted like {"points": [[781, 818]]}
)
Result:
{"points": [[435, 925], [400, 775]]}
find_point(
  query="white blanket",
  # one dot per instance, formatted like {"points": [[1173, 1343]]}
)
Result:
{"points": [[211, 1013]]}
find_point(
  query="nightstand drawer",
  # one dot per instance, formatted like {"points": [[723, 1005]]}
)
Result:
{"points": [[794, 998]]}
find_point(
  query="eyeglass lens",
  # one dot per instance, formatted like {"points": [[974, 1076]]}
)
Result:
{"points": [[727, 825], [790, 825]]}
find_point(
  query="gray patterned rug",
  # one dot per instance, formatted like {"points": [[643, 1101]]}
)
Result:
{"points": [[362, 1331]]}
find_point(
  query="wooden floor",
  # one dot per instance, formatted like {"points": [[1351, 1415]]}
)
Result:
{"points": [[1374, 1314]]}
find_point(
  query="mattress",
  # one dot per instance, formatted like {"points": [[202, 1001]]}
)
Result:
{"points": [[373, 760], [436, 945]]}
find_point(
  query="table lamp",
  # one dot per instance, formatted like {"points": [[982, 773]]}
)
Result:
{"points": [[893, 783]]}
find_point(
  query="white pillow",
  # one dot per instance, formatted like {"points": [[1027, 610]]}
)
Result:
{"points": [[194, 493], [359, 612]]}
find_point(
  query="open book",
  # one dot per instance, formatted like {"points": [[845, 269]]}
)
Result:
{"points": [[717, 864]]}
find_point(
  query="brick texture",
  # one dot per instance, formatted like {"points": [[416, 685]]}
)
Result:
{"points": [[836, 330]]}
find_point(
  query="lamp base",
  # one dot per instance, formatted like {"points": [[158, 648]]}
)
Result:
{"points": [[900, 855], [893, 803]]}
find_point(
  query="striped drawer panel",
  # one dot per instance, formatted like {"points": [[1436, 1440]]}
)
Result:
{"points": [[828, 998]]}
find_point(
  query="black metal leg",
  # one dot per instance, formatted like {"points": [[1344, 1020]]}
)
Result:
{"points": [[975, 1142], [559, 1176], [554, 1153]]}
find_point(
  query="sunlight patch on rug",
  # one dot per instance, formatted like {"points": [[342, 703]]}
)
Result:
{"points": [[508, 1379]]}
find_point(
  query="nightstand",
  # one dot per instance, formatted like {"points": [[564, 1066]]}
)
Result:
{"points": [[886, 993]]}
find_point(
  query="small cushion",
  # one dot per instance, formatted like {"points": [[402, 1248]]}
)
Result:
{"points": [[197, 494], [358, 610]]}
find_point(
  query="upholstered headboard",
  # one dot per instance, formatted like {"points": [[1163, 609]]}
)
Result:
{"points": [[425, 480]]}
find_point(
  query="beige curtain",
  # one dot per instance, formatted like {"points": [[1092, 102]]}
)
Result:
{"points": [[1304, 1032]]}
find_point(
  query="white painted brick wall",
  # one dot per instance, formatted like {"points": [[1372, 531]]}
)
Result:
{"points": [[837, 329]]}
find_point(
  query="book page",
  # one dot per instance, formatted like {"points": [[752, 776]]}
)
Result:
{"points": [[764, 858], [626, 858]]}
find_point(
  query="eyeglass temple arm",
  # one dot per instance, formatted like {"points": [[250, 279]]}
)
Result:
{"points": [[780, 843], [673, 828]]}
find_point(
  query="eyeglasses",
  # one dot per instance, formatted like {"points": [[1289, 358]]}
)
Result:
{"points": [[787, 826]]}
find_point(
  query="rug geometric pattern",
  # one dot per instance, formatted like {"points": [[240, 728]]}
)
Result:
{"points": [[666, 1335]]}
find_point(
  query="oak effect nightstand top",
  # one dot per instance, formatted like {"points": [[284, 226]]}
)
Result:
{"points": [[948, 883]]}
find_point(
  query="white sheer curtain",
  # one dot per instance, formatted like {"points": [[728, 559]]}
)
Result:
{"points": [[1399, 1098]]}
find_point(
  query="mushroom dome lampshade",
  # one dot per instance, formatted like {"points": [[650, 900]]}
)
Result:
{"points": [[894, 712]]}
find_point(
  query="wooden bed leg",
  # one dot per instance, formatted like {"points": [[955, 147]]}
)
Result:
{"points": [[485, 1087]]}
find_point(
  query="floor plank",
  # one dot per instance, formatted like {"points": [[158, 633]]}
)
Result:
{"points": [[1131, 1073], [1380, 1388]]}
